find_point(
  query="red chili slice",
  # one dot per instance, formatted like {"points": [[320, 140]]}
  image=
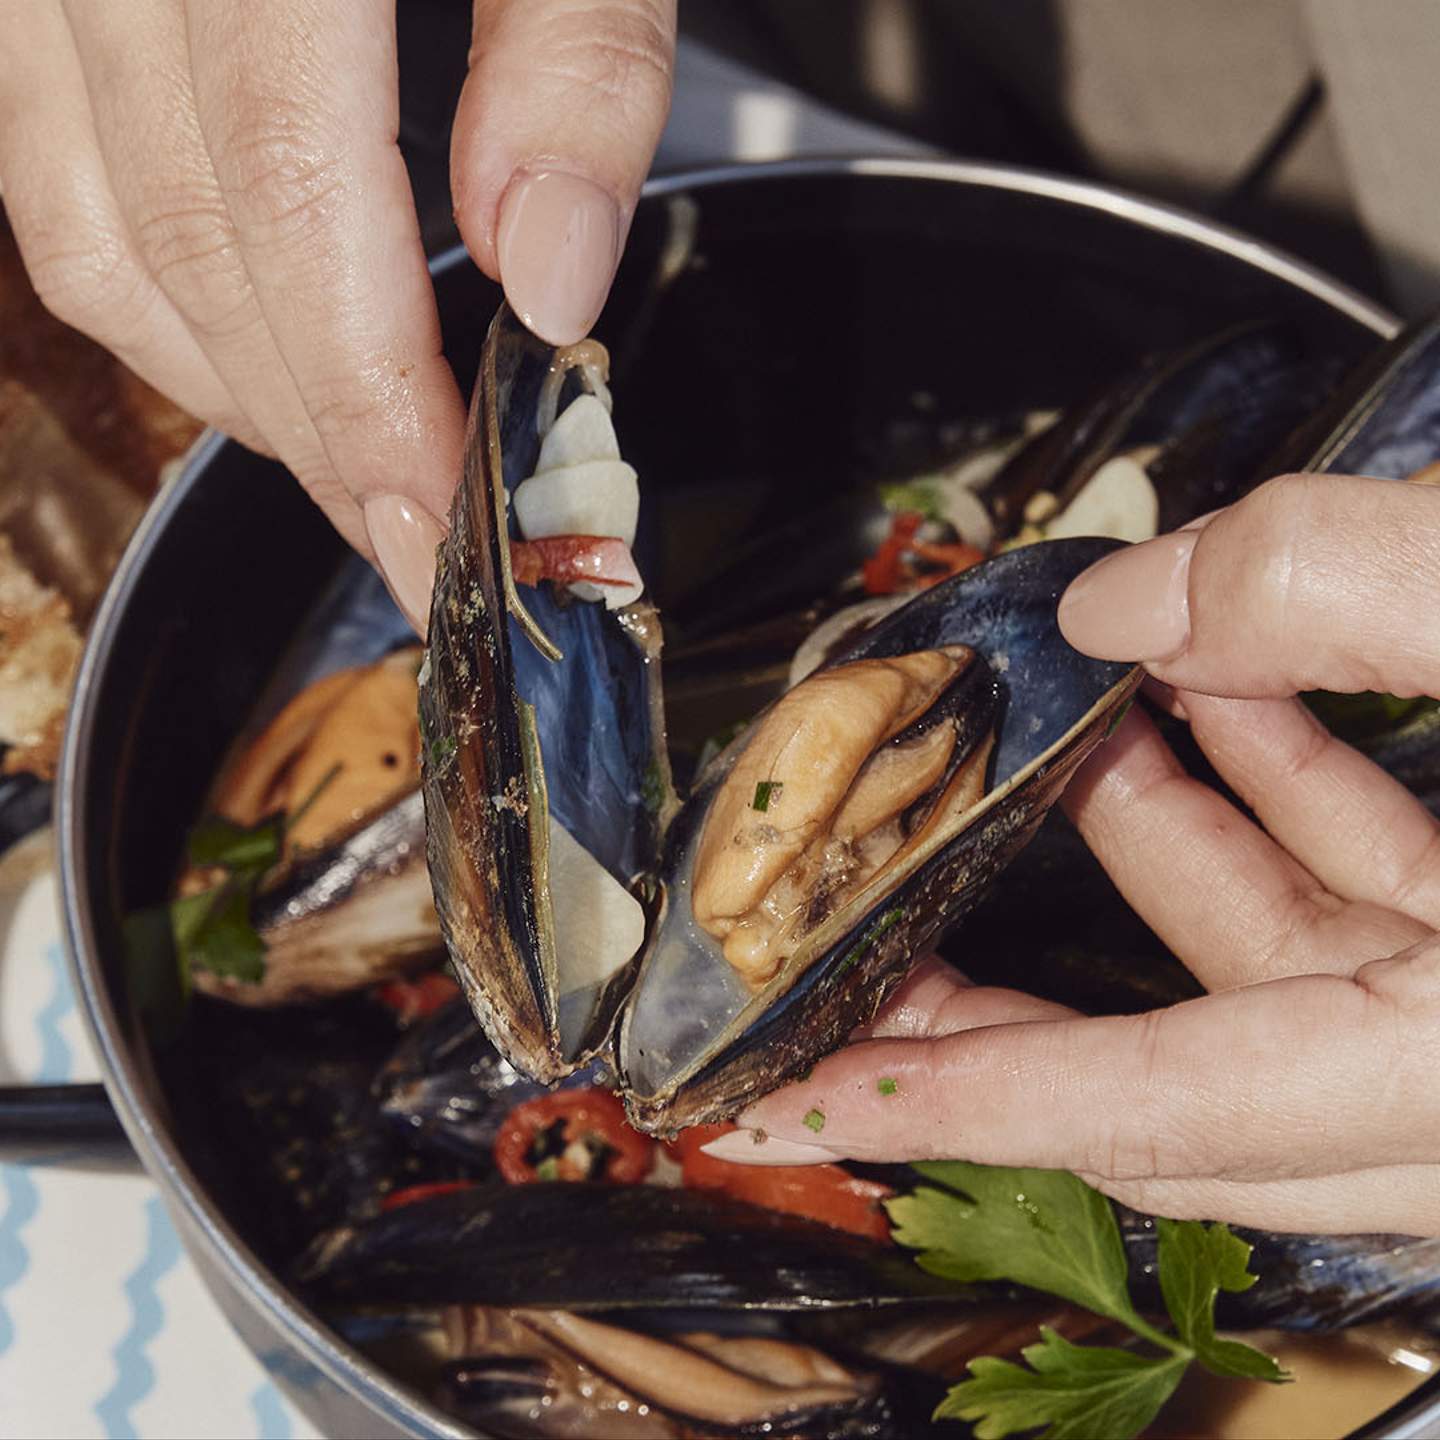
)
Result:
{"points": [[951, 558], [572, 1135], [565, 559], [412, 1193], [827, 1193], [413, 1000], [884, 572]]}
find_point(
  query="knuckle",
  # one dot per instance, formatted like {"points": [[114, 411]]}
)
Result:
{"points": [[281, 177], [1270, 562], [620, 54], [192, 251], [1414, 884], [92, 287], [1139, 1142], [342, 409]]}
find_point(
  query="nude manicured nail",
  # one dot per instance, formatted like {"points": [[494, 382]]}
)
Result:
{"points": [[404, 536], [1134, 604], [742, 1147], [558, 242]]}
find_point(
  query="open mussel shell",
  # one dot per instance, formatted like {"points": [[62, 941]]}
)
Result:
{"points": [[695, 1044], [1207, 415], [539, 737], [1384, 420], [530, 711]]}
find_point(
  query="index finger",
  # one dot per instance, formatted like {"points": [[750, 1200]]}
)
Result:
{"points": [[299, 107], [1292, 1077]]}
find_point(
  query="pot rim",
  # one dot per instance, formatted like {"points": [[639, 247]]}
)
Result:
{"points": [[159, 1152]]}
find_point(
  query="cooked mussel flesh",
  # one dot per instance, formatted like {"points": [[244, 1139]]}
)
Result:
{"points": [[846, 771], [711, 951]]}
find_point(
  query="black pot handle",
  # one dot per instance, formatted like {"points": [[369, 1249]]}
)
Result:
{"points": [[62, 1124]]}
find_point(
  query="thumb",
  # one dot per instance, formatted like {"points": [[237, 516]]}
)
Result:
{"points": [[1312, 582], [554, 133]]}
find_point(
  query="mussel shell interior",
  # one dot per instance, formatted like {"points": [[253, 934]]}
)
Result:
{"points": [[512, 736], [592, 721], [689, 1009]]}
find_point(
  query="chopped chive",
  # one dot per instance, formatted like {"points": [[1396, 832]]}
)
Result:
{"points": [[765, 792], [294, 819], [814, 1120], [886, 1086]]}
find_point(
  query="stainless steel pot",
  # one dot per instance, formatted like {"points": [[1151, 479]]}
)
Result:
{"points": [[825, 295]]}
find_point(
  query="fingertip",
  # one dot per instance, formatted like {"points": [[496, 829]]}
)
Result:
{"points": [[1134, 604], [557, 245], [404, 537]]}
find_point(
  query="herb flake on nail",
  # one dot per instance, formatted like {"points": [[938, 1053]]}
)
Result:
{"points": [[814, 1120]]}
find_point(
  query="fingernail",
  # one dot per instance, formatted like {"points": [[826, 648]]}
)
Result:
{"points": [[742, 1147], [558, 242], [404, 536], [1134, 604]]}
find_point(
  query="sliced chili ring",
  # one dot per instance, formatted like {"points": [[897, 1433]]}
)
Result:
{"points": [[572, 1135]]}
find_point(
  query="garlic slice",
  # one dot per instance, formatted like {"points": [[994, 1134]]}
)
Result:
{"points": [[581, 486], [1118, 501]]}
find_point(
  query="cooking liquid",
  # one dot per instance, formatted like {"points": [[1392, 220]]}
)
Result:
{"points": [[1341, 1382]]}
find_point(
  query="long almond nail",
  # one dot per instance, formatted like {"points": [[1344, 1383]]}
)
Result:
{"points": [[404, 536], [743, 1147], [558, 242], [1134, 604]]}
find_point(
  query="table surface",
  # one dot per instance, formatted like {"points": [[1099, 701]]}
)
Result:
{"points": [[105, 1327]]}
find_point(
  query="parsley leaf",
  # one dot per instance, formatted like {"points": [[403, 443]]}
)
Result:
{"points": [[1049, 1231], [1196, 1263], [1077, 1392], [212, 931], [924, 495], [218, 841], [1040, 1228]]}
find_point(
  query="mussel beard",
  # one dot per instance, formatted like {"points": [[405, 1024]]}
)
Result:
{"points": [[850, 771]]}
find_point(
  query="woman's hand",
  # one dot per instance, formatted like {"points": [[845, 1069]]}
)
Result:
{"points": [[1299, 1094], [212, 190]]}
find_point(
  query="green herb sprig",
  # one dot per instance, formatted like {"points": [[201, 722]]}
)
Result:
{"points": [[1049, 1231], [212, 930]]}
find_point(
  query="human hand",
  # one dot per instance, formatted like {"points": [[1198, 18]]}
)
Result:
{"points": [[1297, 1094], [213, 191]]}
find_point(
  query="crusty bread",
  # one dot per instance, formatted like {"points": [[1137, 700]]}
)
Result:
{"points": [[39, 653]]}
